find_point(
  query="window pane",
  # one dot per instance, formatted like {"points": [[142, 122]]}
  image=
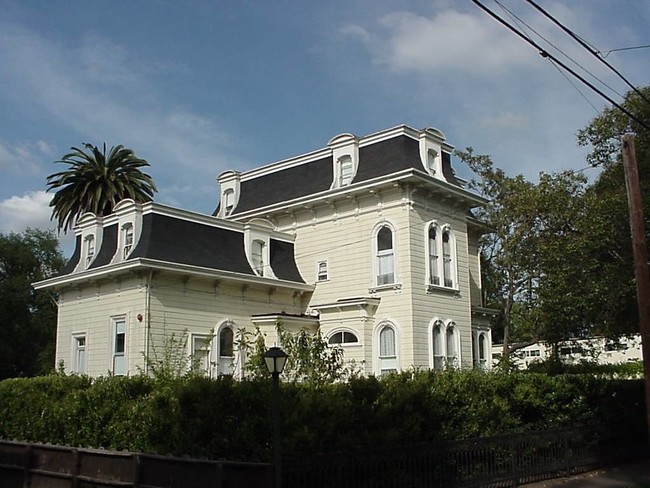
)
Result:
{"points": [[258, 257], [336, 338], [386, 271], [120, 334], [446, 256], [384, 239], [226, 342], [349, 337], [481, 346], [387, 342]]}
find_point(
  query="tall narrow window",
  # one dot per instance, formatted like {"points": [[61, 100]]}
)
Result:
{"points": [[119, 347], [431, 161], [447, 259], [128, 240], [226, 351], [345, 170], [257, 256], [200, 353], [385, 256], [482, 351], [322, 271], [452, 354], [387, 350], [90, 249], [438, 354], [434, 276], [79, 353], [228, 202]]}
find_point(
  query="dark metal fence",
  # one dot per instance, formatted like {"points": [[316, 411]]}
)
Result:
{"points": [[486, 462], [43, 466]]}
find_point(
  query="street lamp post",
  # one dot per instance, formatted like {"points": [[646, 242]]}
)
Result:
{"points": [[275, 359]]}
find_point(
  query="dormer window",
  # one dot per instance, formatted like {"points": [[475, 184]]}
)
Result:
{"points": [[90, 249], [228, 202], [432, 164], [345, 170], [257, 256], [127, 240]]}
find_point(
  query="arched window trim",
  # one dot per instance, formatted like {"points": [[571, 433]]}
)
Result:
{"points": [[446, 263], [393, 362], [216, 360], [377, 255], [344, 330], [442, 358]]}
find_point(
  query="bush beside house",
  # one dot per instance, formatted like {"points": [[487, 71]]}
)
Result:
{"points": [[223, 418]]}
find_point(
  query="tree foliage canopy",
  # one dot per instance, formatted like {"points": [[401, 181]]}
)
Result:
{"points": [[95, 182], [559, 260], [27, 316]]}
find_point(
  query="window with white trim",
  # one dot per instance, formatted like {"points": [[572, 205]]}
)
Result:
{"points": [[447, 261], [79, 353], [345, 170], [200, 355], [90, 248], [321, 271], [226, 350], [119, 366], [257, 256], [438, 347], [451, 345], [431, 161], [434, 273], [228, 201], [127, 239], [385, 256], [387, 350], [343, 337]]}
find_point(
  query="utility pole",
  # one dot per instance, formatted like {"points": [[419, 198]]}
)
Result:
{"points": [[640, 253]]}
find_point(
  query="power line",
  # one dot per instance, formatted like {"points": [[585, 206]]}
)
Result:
{"points": [[623, 49], [519, 20], [545, 54], [587, 47]]}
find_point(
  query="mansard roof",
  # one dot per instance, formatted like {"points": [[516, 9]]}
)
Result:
{"points": [[183, 239], [382, 154]]}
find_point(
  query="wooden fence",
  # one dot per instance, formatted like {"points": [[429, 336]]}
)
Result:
{"points": [[44, 466]]}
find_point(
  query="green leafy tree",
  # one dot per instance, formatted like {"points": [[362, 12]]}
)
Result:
{"points": [[27, 316], [525, 249], [607, 289], [96, 181]]}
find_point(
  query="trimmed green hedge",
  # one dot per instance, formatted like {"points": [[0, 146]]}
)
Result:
{"points": [[223, 418]]}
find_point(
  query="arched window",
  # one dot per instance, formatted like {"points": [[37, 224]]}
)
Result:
{"points": [[385, 256], [452, 351], [438, 347], [257, 256], [434, 273], [226, 351], [343, 337], [446, 259], [482, 351], [387, 350]]}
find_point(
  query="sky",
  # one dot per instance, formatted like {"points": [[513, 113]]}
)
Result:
{"points": [[200, 87]]}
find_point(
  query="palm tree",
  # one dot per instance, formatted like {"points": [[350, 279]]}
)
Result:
{"points": [[95, 182]]}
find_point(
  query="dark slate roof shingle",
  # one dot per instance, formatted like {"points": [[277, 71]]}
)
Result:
{"points": [[180, 241], [107, 251]]}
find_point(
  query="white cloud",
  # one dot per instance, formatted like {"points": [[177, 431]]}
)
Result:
{"points": [[450, 40], [30, 210]]}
